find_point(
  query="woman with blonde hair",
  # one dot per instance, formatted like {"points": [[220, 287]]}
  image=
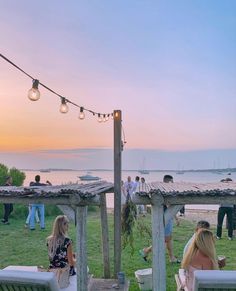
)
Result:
{"points": [[201, 255], [60, 245]]}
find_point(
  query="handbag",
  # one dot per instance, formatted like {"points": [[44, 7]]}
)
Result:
{"points": [[62, 275]]}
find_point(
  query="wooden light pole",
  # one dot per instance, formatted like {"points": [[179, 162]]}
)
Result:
{"points": [[117, 191]]}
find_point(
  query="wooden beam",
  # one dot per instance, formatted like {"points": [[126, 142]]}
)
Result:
{"points": [[182, 200], [204, 199], [158, 245], [81, 248], [68, 211], [105, 237], [117, 191]]}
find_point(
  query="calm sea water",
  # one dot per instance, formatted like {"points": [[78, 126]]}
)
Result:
{"points": [[64, 177]]}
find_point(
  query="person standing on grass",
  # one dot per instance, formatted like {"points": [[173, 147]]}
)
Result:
{"points": [[137, 188], [182, 211], [8, 207], [128, 187], [143, 187], [225, 209], [168, 233], [38, 206]]}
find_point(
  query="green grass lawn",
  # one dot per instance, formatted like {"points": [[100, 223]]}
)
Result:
{"points": [[19, 246]]}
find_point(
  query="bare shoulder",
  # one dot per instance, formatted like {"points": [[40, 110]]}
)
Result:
{"points": [[200, 261]]}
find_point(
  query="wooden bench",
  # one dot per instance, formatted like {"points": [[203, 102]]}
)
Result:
{"points": [[26, 280], [208, 280]]}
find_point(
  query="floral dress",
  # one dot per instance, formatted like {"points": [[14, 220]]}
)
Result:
{"points": [[60, 259]]}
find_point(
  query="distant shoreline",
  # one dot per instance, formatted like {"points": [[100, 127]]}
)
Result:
{"points": [[214, 171]]}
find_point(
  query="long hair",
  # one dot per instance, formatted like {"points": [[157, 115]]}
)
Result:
{"points": [[57, 237], [203, 242]]}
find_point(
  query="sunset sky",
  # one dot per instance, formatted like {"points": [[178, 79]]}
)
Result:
{"points": [[170, 66]]}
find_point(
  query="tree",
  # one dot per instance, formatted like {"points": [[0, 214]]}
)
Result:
{"points": [[18, 176], [3, 174]]}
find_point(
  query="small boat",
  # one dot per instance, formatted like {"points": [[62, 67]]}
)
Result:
{"points": [[143, 168], [144, 172], [89, 178], [180, 172], [44, 171]]}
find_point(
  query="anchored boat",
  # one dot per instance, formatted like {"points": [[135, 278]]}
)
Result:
{"points": [[89, 178]]}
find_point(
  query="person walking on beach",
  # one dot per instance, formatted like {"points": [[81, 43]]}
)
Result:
{"points": [[8, 207], [38, 206], [168, 233]]}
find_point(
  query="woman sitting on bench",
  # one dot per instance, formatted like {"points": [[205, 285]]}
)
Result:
{"points": [[60, 245], [201, 255]]}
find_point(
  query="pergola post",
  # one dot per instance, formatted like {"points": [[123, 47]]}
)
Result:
{"points": [[117, 191], [105, 236], [158, 245], [81, 248]]}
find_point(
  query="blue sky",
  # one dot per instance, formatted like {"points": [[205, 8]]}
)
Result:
{"points": [[170, 66]]}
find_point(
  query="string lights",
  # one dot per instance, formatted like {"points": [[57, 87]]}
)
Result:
{"points": [[34, 95], [81, 113], [99, 117], [64, 107]]}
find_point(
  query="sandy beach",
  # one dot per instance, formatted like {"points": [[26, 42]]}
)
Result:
{"points": [[195, 215]]}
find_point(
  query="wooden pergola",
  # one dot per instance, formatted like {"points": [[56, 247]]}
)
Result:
{"points": [[176, 195], [77, 197]]}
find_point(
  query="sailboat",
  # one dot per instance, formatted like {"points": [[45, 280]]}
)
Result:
{"points": [[143, 170], [179, 171]]}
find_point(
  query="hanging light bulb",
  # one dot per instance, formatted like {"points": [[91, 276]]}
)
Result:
{"points": [[99, 117], [64, 107], [81, 113], [107, 117], [112, 117], [104, 118], [34, 93]]}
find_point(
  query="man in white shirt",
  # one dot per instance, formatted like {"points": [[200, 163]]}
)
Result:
{"points": [[129, 187]]}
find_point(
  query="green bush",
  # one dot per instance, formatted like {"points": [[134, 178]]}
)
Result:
{"points": [[18, 176], [3, 174]]}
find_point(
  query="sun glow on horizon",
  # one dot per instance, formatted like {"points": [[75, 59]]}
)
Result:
{"points": [[175, 87]]}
